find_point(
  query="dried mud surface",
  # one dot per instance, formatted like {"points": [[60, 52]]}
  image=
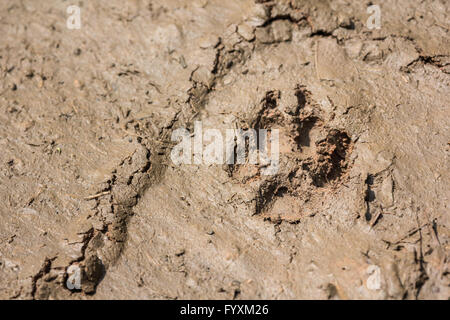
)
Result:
{"points": [[86, 180]]}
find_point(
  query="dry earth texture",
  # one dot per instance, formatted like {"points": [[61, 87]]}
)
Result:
{"points": [[358, 209]]}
